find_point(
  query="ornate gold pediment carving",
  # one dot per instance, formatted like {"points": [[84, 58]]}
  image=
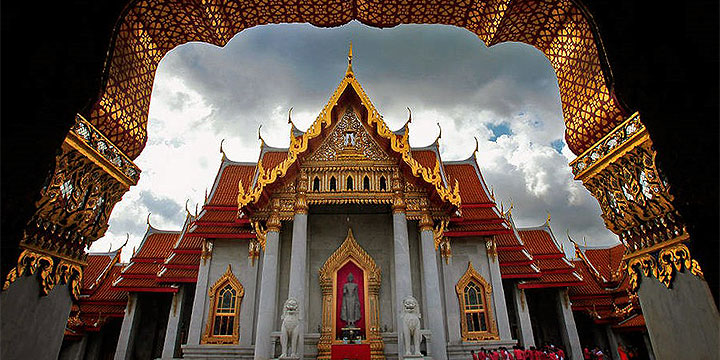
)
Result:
{"points": [[349, 140]]}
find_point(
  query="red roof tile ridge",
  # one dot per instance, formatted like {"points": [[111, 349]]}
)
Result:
{"points": [[435, 148], [472, 161], [224, 163], [115, 260]]}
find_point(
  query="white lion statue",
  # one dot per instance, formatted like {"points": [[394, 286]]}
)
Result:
{"points": [[411, 325], [290, 329]]}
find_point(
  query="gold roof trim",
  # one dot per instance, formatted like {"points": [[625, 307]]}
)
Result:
{"points": [[400, 144]]}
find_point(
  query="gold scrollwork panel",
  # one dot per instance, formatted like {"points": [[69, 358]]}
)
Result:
{"points": [[662, 265], [474, 293], [51, 272]]}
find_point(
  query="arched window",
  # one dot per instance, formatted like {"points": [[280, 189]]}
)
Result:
{"points": [[366, 183], [477, 321], [316, 184], [383, 183], [333, 184], [349, 183], [222, 324]]}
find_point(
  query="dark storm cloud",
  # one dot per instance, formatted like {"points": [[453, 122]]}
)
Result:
{"points": [[447, 68], [165, 207]]}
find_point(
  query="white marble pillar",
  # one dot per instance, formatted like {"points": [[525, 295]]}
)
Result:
{"points": [[525, 331], [452, 311], [128, 331], [612, 342], [401, 251], [568, 330], [173, 325], [298, 269], [501, 314], [433, 304], [268, 291], [200, 300], [648, 347], [403, 278]]}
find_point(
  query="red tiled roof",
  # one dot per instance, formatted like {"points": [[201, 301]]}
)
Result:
{"points": [[271, 159], [157, 244], [96, 265], [105, 292], [539, 241], [426, 158], [219, 215], [225, 190], [140, 268], [171, 275], [472, 190], [512, 256], [590, 287], [633, 322], [607, 260]]}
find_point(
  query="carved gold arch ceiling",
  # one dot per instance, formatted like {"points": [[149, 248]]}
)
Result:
{"points": [[151, 28]]}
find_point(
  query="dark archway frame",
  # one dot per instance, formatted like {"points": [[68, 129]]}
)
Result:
{"points": [[560, 29]]}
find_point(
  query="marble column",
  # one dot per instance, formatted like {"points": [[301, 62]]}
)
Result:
{"points": [[501, 314], [128, 331], [201, 296], [568, 330], [75, 351], [268, 290], [173, 325], [612, 342], [401, 250], [527, 338], [648, 347], [433, 302], [452, 311], [298, 258]]}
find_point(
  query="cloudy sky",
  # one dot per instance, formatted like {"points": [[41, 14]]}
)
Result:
{"points": [[506, 96]]}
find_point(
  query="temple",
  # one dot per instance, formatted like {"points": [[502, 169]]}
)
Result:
{"points": [[350, 243]]}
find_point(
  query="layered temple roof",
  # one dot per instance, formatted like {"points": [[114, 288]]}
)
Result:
{"points": [[98, 302], [604, 294]]}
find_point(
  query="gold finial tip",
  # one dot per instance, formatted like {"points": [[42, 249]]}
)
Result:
{"points": [[349, 70]]}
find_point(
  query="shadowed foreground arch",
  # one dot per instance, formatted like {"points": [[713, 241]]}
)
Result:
{"points": [[558, 28], [617, 161]]}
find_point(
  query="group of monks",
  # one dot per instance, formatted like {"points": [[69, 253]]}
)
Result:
{"points": [[549, 352]]}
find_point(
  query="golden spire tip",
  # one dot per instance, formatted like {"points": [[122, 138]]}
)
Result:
{"points": [[349, 71]]}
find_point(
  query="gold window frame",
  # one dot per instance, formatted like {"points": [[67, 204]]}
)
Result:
{"points": [[228, 278], [471, 275]]}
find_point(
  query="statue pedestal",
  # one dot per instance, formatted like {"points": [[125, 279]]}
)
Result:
{"points": [[351, 335], [350, 352]]}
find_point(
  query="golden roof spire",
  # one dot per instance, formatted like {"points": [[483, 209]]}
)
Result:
{"points": [[349, 71]]}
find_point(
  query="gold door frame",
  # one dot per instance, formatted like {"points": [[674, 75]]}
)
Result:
{"points": [[350, 250]]}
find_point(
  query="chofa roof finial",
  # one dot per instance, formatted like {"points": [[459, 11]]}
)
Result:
{"points": [[222, 151], [349, 71], [439, 132], [262, 142]]}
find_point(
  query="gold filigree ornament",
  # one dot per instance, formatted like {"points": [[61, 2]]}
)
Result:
{"points": [[675, 259], [471, 279], [226, 296], [51, 273]]}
